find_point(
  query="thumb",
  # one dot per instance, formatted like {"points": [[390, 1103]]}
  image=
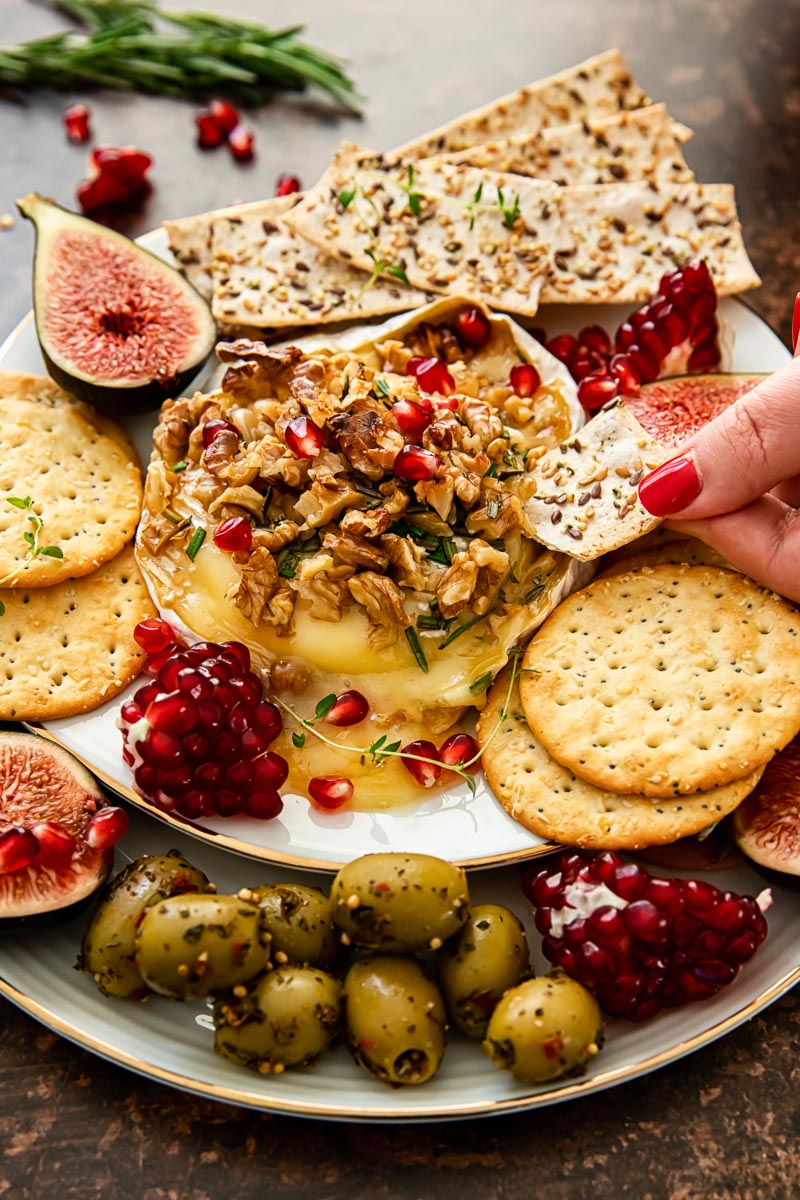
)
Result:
{"points": [[737, 457]]}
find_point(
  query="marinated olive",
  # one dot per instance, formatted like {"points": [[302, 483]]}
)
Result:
{"points": [[545, 1028], [487, 956], [197, 945], [399, 903], [109, 944], [394, 1018], [299, 920], [285, 1018]]}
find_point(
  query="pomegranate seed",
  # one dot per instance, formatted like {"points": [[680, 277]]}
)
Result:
{"points": [[240, 774], [270, 771], [697, 277], [524, 379], [287, 185], [193, 683], [625, 337], [106, 828], [169, 674], [175, 713], [162, 750], [263, 803], [330, 791], [594, 337], [673, 325], [248, 691], [432, 375], [18, 849], [195, 803], [76, 122], [224, 747], [209, 776], [201, 651], [153, 635], [242, 141], [622, 368], [596, 390], [562, 347], [348, 709], [227, 803], [644, 364], [651, 342], [473, 327], [224, 115], [209, 134], [450, 403], [415, 464], [413, 418], [130, 712], [209, 717], [177, 782], [253, 742], [122, 163], [239, 651], [234, 535], [586, 362], [267, 719], [425, 773], [303, 437], [195, 747], [704, 358], [145, 778], [238, 720], [214, 427], [56, 845], [155, 662], [459, 749]]}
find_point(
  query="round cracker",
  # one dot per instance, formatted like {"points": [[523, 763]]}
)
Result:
{"points": [[83, 486], [68, 648], [555, 804], [691, 551], [665, 682]]}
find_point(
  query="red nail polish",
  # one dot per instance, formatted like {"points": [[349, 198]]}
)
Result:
{"points": [[670, 487], [796, 325]]}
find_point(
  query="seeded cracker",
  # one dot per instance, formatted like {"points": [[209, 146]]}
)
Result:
{"points": [[616, 241], [599, 86], [643, 144], [582, 497], [555, 804], [444, 228], [264, 275], [65, 649], [665, 682]]}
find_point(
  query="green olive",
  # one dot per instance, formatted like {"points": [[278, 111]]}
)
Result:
{"points": [[545, 1028], [284, 1018], [109, 944], [197, 945], [399, 903], [299, 920], [487, 956], [395, 1019]]}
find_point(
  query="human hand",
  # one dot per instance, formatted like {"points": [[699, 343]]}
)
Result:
{"points": [[736, 483]]}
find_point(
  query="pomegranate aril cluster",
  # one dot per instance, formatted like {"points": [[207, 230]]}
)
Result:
{"points": [[638, 942], [681, 315], [197, 736], [220, 123]]}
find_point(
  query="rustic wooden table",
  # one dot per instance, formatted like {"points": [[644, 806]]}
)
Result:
{"points": [[721, 1125]]}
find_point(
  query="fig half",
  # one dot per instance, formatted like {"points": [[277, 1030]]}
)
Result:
{"points": [[116, 325], [766, 826], [56, 832]]}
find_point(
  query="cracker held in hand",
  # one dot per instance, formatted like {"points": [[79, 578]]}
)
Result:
{"points": [[441, 227], [265, 275], [582, 497], [555, 804], [617, 241], [599, 86], [66, 649], [83, 486], [665, 682], [643, 144]]}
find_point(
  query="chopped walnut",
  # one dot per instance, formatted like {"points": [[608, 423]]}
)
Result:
{"points": [[244, 497], [481, 420], [454, 589], [279, 612], [410, 565], [322, 503], [499, 514], [371, 523], [354, 550], [277, 463], [276, 538], [383, 602], [157, 487], [438, 492], [177, 420], [329, 598], [493, 569], [221, 452], [367, 440], [473, 578], [255, 586]]}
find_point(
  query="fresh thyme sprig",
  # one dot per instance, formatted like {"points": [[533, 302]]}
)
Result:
{"points": [[133, 45], [31, 538]]}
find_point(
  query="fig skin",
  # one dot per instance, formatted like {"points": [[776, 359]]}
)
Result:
{"points": [[766, 826]]}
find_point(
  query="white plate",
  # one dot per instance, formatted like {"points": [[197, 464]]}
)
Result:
{"points": [[472, 830], [172, 1042]]}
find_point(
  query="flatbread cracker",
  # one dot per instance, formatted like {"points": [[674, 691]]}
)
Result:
{"points": [[582, 497], [555, 804], [665, 682], [265, 275], [643, 144], [599, 86], [82, 484], [66, 649], [450, 229], [616, 241], [189, 240]]}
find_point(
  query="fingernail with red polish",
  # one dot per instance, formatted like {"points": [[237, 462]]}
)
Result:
{"points": [[796, 324], [670, 487]]}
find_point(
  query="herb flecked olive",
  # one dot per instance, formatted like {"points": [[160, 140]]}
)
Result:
{"points": [[487, 956], [394, 1018], [299, 922], [398, 903], [197, 945], [109, 944], [545, 1028], [284, 1018]]}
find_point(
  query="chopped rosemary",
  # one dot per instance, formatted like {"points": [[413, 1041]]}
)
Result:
{"points": [[428, 622], [382, 387], [288, 562], [181, 466], [492, 472], [416, 648], [171, 515], [457, 632], [449, 548], [197, 539], [481, 683]]}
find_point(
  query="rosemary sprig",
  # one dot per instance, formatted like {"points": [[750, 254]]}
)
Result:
{"points": [[133, 45], [31, 539]]}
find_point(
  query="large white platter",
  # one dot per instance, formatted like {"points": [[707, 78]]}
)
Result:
{"points": [[172, 1042], [472, 830]]}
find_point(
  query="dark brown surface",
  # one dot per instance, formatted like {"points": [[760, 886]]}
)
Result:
{"points": [[722, 1125]]}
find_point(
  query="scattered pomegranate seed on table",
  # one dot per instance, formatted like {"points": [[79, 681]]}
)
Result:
{"points": [[119, 180], [76, 122], [242, 143], [209, 134], [224, 115], [287, 185]]}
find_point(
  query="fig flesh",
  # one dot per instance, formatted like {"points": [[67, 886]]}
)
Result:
{"points": [[116, 325], [46, 798], [766, 827], [671, 410]]}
